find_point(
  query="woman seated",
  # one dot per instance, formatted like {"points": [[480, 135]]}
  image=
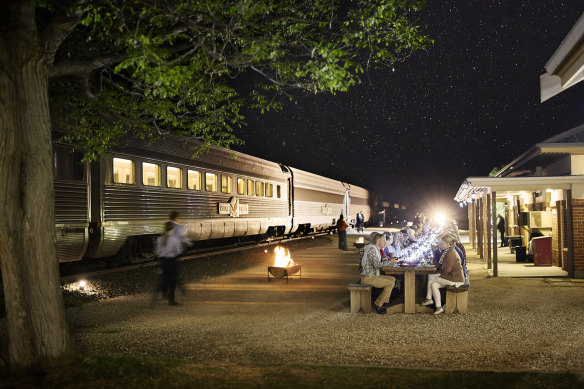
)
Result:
{"points": [[371, 262], [449, 273], [390, 250]]}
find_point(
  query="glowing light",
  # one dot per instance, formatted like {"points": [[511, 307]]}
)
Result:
{"points": [[266, 251], [440, 218], [282, 257], [82, 285]]}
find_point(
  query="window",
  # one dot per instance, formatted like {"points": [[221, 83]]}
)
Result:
{"points": [[278, 192], [123, 171], [194, 179], [250, 187], [68, 165], [211, 182], [269, 190], [173, 177], [226, 184], [259, 188], [241, 186], [150, 174]]}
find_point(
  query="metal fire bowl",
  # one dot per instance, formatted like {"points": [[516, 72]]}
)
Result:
{"points": [[358, 245], [281, 272]]}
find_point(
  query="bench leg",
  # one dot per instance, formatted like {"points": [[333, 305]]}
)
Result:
{"points": [[366, 300], [462, 302], [355, 301], [451, 302]]}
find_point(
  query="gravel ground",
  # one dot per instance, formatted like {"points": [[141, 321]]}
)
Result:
{"points": [[518, 324]]}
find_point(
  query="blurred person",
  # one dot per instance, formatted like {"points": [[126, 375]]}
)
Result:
{"points": [[360, 221], [179, 230], [342, 231], [501, 228], [168, 248], [371, 262], [449, 273]]}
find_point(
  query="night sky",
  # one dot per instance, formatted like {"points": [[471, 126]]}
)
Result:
{"points": [[413, 132]]}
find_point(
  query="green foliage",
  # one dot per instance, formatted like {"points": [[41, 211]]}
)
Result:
{"points": [[494, 172], [166, 66]]}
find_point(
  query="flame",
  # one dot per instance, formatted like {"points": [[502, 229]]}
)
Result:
{"points": [[282, 257], [360, 240]]}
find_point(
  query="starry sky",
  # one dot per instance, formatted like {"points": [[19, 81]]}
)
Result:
{"points": [[413, 132]]}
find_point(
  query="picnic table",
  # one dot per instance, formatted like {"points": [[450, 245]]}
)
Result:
{"points": [[409, 272]]}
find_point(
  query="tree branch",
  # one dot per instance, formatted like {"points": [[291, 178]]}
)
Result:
{"points": [[81, 68], [60, 27]]}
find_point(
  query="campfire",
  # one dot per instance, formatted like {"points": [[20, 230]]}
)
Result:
{"points": [[359, 243], [284, 266]]}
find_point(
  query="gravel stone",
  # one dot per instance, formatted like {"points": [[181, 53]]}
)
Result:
{"points": [[230, 313]]}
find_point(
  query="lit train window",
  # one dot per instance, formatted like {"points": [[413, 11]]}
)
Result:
{"points": [[269, 190], [250, 187], [241, 186], [226, 184], [194, 179], [211, 182], [123, 171], [278, 193], [150, 174], [259, 188], [173, 177]]}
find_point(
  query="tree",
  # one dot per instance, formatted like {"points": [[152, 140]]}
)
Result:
{"points": [[107, 69]]}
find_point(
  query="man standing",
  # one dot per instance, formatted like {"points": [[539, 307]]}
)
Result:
{"points": [[342, 231], [360, 221], [501, 228]]}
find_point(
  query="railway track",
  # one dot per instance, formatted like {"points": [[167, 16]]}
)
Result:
{"points": [[190, 255]]}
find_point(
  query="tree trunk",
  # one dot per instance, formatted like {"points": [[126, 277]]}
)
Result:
{"points": [[37, 332]]}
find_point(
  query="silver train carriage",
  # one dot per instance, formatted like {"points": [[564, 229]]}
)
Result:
{"points": [[118, 205]]}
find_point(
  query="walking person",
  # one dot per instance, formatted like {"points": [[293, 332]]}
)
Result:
{"points": [[342, 231], [168, 248], [501, 228]]}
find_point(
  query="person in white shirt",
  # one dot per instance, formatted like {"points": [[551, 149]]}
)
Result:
{"points": [[168, 248]]}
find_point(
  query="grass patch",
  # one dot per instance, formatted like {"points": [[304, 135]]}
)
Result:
{"points": [[115, 371]]}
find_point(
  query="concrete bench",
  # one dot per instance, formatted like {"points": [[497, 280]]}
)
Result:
{"points": [[360, 297], [456, 299]]}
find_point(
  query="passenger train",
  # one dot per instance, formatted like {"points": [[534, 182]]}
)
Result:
{"points": [[116, 207]]}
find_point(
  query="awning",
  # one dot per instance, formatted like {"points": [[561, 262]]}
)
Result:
{"points": [[480, 186], [566, 66]]}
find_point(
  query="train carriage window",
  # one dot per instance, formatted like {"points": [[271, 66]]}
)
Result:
{"points": [[173, 177], [194, 179], [250, 187], [150, 174], [226, 184], [269, 190], [278, 191], [68, 164], [211, 181], [241, 186], [123, 171], [259, 188]]}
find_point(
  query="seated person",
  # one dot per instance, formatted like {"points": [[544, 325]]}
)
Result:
{"points": [[534, 234], [390, 250], [371, 262], [449, 273]]}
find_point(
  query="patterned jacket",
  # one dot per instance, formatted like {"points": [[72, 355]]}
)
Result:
{"points": [[371, 261]]}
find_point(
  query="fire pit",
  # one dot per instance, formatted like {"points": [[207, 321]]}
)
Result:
{"points": [[359, 243], [284, 265], [281, 272]]}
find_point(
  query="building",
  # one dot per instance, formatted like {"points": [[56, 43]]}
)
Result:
{"points": [[542, 190]]}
